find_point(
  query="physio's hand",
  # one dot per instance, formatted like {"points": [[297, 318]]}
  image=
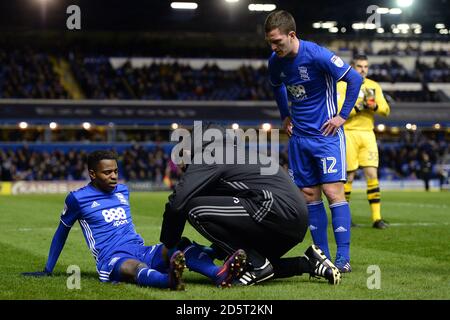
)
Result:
{"points": [[37, 274], [331, 126], [287, 126]]}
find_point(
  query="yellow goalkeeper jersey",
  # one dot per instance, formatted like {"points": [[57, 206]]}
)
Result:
{"points": [[364, 119]]}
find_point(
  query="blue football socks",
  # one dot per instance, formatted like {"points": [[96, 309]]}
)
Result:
{"points": [[341, 219], [318, 225], [199, 261], [151, 278]]}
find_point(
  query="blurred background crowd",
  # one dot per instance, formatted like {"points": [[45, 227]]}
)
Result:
{"points": [[29, 74]]}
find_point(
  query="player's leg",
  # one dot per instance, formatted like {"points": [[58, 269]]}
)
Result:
{"points": [[321, 266], [228, 225], [305, 176], [348, 190], [196, 260], [290, 267], [223, 276], [351, 148], [369, 161], [314, 262], [341, 220], [317, 217], [201, 214], [348, 186], [157, 256], [352, 145], [374, 197], [135, 271], [331, 153]]}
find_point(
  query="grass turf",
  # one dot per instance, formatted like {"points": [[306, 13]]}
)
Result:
{"points": [[413, 254]]}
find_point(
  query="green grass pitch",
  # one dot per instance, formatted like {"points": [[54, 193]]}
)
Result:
{"points": [[413, 255]]}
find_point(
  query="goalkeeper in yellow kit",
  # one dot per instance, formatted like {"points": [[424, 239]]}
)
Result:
{"points": [[361, 144]]}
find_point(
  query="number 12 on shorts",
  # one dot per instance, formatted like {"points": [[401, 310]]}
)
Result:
{"points": [[328, 164]]}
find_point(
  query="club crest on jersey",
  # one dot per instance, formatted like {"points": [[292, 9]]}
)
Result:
{"points": [[121, 198], [303, 73], [337, 61], [282, 75], [297, 91]]}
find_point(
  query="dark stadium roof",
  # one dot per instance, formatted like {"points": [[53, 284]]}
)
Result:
{"points": [[210, 16]]}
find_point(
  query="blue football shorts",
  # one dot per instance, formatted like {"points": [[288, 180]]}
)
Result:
{"points": [[108, 269], [316, 160]]}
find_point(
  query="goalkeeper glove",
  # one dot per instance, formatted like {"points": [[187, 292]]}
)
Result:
{"points": [[369, 99]]}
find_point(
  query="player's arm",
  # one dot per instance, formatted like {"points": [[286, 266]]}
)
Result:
{"points": [[354, 82], [195, 180], [334, 66], [68, 217], [352, 113], [281, 98], [59, 239], [341, 89], [280, 94], [381, 107]]}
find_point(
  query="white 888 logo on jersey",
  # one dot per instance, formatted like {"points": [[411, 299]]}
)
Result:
{"points": [[114, 214]]}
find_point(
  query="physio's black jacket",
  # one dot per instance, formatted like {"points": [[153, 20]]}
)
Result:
{"points": [[271, 200]]}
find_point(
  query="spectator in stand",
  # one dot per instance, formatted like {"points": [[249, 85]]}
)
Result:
{"points": [[425, 169]]}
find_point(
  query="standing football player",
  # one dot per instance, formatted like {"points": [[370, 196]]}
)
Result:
{"points": [[362, 150], [306, 74]]}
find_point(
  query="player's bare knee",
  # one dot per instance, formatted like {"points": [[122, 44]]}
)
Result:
{"points": [[312, 194], [371, 173], [136, 269], [334, 192], [130, 268]]}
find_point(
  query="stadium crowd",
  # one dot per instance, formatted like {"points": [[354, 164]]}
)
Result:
{"points": [[399, 49], [30, 74], [136, 163], [393, 71], [163, 81], [411, 157], [415, 156]]}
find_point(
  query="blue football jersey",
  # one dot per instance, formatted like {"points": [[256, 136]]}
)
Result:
{"points": [[104, 218], [310, 79]]}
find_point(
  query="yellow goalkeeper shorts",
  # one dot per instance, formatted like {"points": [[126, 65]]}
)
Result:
{"points": [[362, 150]]}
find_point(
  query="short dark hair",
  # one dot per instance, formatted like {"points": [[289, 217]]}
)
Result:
{"points": [[359, 57], [280, 19], [96, 156]]}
